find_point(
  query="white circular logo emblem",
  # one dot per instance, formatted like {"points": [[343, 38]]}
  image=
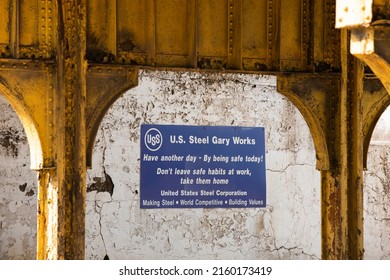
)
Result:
{"points": [[153, 139]]}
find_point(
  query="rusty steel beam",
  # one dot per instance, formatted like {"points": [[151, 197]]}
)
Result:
{"points": [[333, 108], [70, 182]]}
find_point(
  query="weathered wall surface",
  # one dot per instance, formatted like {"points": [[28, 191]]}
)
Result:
{"points": [[18, 185], [377, 193], [288, 228]]}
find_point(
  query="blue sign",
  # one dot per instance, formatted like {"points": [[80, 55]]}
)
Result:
{"points": [[202, 167]]}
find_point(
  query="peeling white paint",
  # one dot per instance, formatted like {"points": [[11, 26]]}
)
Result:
{"points": [[377, 193], [18, 188], [376, 202], [289, 228]]}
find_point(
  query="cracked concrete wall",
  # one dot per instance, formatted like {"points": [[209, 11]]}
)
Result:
{"points": [[18, 187], [288, 228], [377, 193]]}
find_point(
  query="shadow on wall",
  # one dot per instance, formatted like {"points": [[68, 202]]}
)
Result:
{"points": [[377, 192], [288, 228], [18, 187]]}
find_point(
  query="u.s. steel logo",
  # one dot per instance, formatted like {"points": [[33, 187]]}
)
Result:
{"points": [[153, 139]]}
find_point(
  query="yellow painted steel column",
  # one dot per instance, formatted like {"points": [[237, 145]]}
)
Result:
{"points": [[342, 184], [334, 220], [356, 161], [334, 181], [62, 190], [71, 139]]}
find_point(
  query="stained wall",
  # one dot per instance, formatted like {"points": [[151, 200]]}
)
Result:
{"points": [[377, 192], [18, 189], [288, 228]]}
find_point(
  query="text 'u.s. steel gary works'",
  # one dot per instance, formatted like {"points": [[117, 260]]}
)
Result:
{"points": [[202, 167]]}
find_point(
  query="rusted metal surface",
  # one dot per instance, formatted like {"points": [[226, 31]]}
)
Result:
{"points": [[71, 98], [225, 34], [369, 41], [104, 86], [355, 160], [26, 84]]}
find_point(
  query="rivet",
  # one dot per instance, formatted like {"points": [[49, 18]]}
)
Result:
{"points": [[51, 124], [363, 8], [346, 9], [50, 111], [50, 99], [14, 66], [340, 19]]}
